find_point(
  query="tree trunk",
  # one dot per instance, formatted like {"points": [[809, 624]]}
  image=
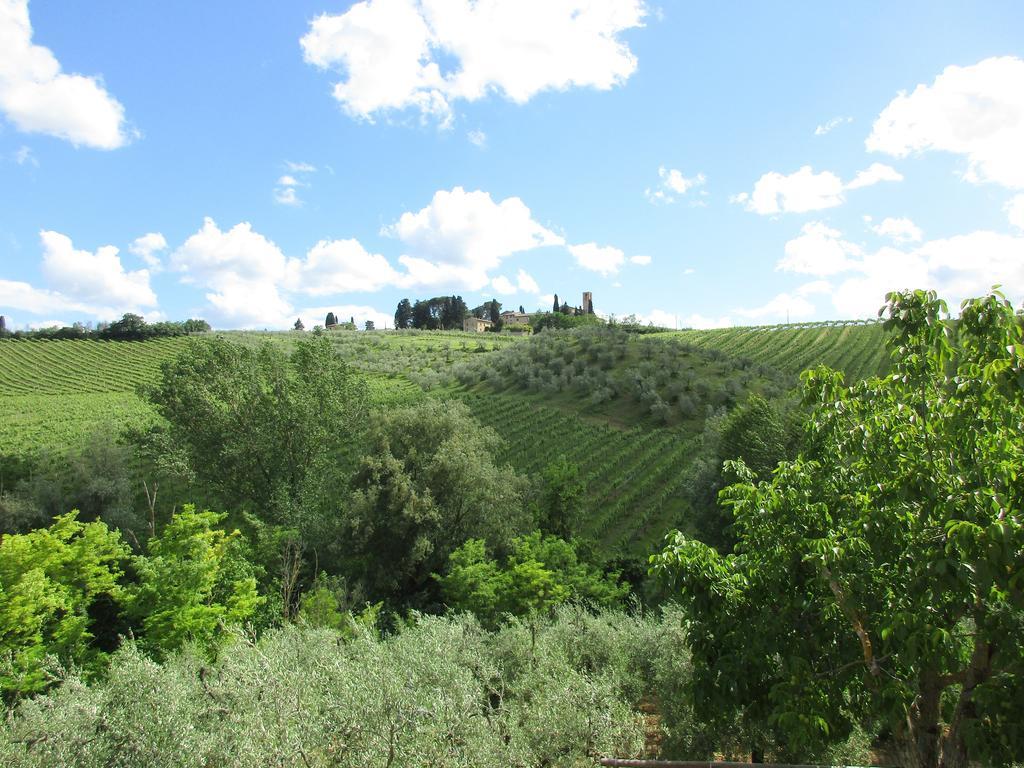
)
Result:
{"points": [[919, 746], [954, 750]]}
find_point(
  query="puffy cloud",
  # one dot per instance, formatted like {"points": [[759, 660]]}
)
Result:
{"points": [[673, 183], [956, 267], [819, 250], [900, 230], [643, 261], [872, 175], [286, 196], [526, 283], [975, 111], [341, 266], [38, 301], [37, 97], [659, 318], [23, 156], [93, 278], [242, 271], [783, 305], [702, 321], [831, 125], [147, 247], [604, 260], [503, 285], [286, 193], [460, 236], [477, 138], [806, 190], [426, 54], [1015, 211]]}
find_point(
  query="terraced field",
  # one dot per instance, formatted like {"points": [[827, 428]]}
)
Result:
{"points": [[857, 349], [631, 476], [55, 393], [61, 367]]}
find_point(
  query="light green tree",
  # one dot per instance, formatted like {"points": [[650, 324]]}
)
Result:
{"points": [[539, 573], [194, 583], [879, 577], [49, 580]]}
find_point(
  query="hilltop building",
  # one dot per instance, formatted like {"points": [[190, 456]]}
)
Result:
{"points": [[516, 318], [475, 324]]}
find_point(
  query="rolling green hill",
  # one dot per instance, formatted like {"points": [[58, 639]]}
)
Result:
{"points": [[857, 349], [629, 409]]}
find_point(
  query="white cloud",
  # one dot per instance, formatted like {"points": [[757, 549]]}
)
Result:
{"points": [[477, 138], [526, 283], [38, 98], [975, 111], [956, 267], [604, 260], [799, 192], [241, 270], [23, 156], [659, 318], [426, 54], [643, 261], [147, 247], [702, 321], [806, 190], [1015, 211], [832, 124], [341, 266], [286, 196], [901, 230], [819, 250], [93, 278], [286, 193], [38, 301], [873, 175], [673, 183], [782, 306], [503, 285], [460, 236]]}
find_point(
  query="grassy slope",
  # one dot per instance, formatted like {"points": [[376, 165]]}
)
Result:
{"points": [[54, 393]]}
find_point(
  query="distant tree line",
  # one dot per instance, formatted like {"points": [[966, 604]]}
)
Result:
{"points": [[130, 327], [441, 313]]}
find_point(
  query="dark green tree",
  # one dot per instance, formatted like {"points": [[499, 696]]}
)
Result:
{"points": [[195, 325], [331, 320], [298, 326], [427, 485], [879, 576], [369, 325], [756, 434], [257, 426], [403, 315], [562, 498], [556, 307]]}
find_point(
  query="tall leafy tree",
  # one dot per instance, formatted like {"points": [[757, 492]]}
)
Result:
{"points": [[52, 580], [330, 320], [403, 315], [556, 307], [257, 426], [194, 582], [427, 485], [880, 575]]}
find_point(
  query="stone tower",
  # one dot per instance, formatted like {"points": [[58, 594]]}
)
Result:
{"points": [[587, 301]]}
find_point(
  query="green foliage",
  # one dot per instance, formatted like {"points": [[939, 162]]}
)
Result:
{"points": [[562, 498], [539, 573], [558, 692], [50, 581], [755, 434], [562, 320], [257, 424], [193, 583], [879, 575], [428, 484]]}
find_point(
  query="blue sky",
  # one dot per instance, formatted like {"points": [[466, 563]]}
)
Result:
{"points": [[699, 164]]}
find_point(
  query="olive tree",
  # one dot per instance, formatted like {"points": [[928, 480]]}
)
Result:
{"points": [[879, 577]]}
